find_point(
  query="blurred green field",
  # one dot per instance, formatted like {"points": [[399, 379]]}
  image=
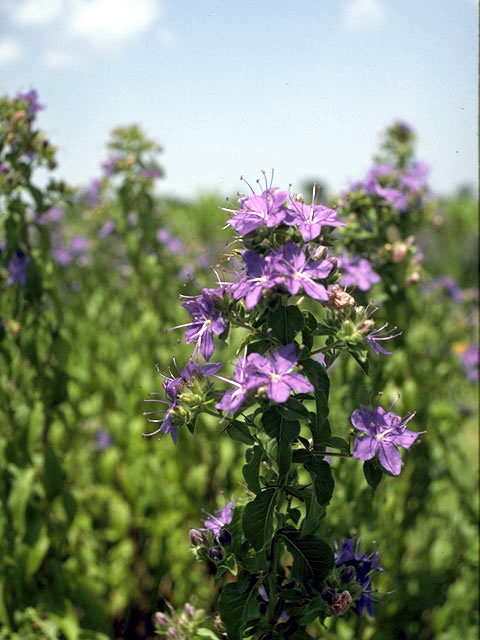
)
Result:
{"points": [[94, 518]]}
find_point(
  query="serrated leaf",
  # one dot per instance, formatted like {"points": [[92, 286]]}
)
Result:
{"points": [[258, 519], [312, 556], [312, 518]]}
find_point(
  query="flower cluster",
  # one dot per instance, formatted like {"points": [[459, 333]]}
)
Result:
{"points": [[185, 395], [355, 570], [275, 375], [396, 186]]}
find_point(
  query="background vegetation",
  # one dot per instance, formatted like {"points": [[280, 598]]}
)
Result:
{"points": [[94, 518]]}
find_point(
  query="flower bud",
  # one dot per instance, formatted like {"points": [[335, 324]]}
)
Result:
{"points": [[339, 299], [399, 251], [215, 554], [18, 115], [161, 618], [224, 538], [196, 537], [172, 633], [189, 610], [365, 326], [341, 602], [413, 278]]}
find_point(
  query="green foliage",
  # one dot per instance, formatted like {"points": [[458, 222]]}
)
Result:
{"points": [[94, 519]]}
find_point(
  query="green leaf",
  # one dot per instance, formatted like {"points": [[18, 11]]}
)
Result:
{"points": [[301, 455], [336, 443], [312, 556], [258, 519], [35, 555], [285, 432], [235, 607], [319, 378], [293, 409], [360, 354], [206, 633], [322, 477], [251, 469], [239, 432], [53, 478], [285, 323], [314, 512], [373, 474], [19, 496]]}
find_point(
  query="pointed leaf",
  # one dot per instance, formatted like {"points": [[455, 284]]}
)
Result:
{"points": [[322, 477], [235, 607], [239, 432], [373, 474], [312, 556], [258, 519], [251, 469]]}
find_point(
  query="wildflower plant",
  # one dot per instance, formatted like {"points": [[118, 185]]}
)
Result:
{"points": [[280, 288]]}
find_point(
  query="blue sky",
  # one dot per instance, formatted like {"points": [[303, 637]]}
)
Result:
{"points": [[235, 86]]}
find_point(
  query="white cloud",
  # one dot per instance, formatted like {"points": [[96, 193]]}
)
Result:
{"points": [[104, 22], [360, 14], [10, 51], [36, 12]]}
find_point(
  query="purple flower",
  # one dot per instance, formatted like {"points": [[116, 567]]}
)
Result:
{"points": [[110, 165], [221, 518], [103, 440], [358, 272], [448, 284], [383, 431], [311, 218], [62, 256], [151, 173], [360, 567], [33, 104], [374, 337], [300, 272], [470, 360], [17, 268], [54, 214], [4, 167], [266, 209], [93, 192], [260, 276], [173, 244], [78, 244], [234, 398], [106, 229], [398, 199], [173, 387], [415, 177], [276, 373], [205, 322]]}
